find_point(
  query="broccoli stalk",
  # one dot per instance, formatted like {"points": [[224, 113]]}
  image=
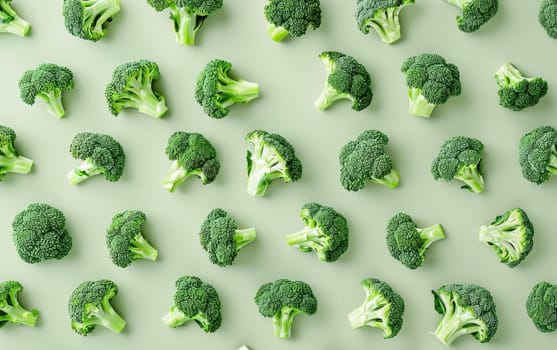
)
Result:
{"points": [[186, 24], [390, 180], [101, 315], [139, 94], [10, 308], [418, 104], [96, 13], [142, 249], [308, 239], [176, 318], [267, 167], [177, 174], [429, 235], [84, 171], [456, 321], [12, 162], [235, 91], [282, 322], [244, 237], [472, 178], [10, 22], [372, 313], [277, 33]]}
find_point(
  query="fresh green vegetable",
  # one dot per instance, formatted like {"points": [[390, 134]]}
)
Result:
{"points": [[10, 308], [548, 17], [10, 160], [88, 19], [381, 15], [538, 154], [541, 306], [516, 91], [243, 347], [10, 22], [475, 13], [291, 17]]}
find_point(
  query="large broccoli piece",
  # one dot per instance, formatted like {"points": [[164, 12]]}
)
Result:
{"points": [[197, 301], [273, 157], [382, 308], [132, 87], [48, 81], [101, 155], [431, 82], [191, 155], [516, 91], [475, 13], [325, 232], [88, 19], [216, 90], [364, 160], [381, 15], [548, 17], [466, 309], [39, 234], [292, 17], [89, 306], [10, 160], [187, 16], [346, 79], [125, 241], [10, 308], [459, 159], [10, 22], [541, 306], [538, 154], [283, 300], [407, 243]]}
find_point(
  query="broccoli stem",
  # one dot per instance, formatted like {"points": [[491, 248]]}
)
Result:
{"points": [[244, 237], [177, 175], [308, 237], [429, 235], [277, 33], [456, 321], [459, 3], [282, 322], [418, 104], [97, 13], [174, 318], [508, 75], [328, 96], [552, 166], [386, 24], [390, 180], [105, 316], [186, 24], [18, 164], [372, 313], [141, 249], [505, 238], [234, 91], [472, 178], [83, 172], [15, 313], [11, 22], [53, 101]]}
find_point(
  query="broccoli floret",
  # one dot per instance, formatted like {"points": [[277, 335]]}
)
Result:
{"points": [[538, 154], [48, 81], [283, 300], [101, 155], [381, 15], [325, 232], [89, 306], [187, 16], [132, 87], [292, 17], [88, 19], [216, 90], [364, 160], [382, 308], [191, 154], [346, 79], [466, 309], [460, 159], [10, 160], [431, 82], [125, 241], [273, 157], [516, 91], [222, 239], [407, 243], [39, 234], [541, 306], [548, 17], [10, 22], [10, 308], [197, 301], [475, 13]]}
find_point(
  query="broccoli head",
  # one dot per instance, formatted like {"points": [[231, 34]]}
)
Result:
{"points": [[89, 306], [325, 232], [101, 155], [381, 15], [10, 308], [548, 17], [516, 91], [541, 306], [216, 90], [538, 154], [191, 154], [48, 81], [292, 17], [222, 239], [39, 234], [125, 241], [346, 79], [475, 13], [273, 157], [460, 159], [197, 301], [407, 243], [10, 160], [466, 309], [88, 19], [283, 300], [431, 81], [10, 22]]}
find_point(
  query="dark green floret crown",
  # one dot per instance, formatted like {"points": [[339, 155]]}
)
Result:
{"points": [[538, 154], [548, 17], [475, 13], [541, 306]]}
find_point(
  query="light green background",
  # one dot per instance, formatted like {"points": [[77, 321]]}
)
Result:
{"points": [[290, 76]]}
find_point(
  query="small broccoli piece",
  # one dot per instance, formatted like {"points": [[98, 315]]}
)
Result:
{"points": [[48, 81], [346, 79], [381, 15], [216, 90], [10, 22], [283, 300], [39, 234], [407, 243], [475, 13], [460, 159], [10, 308], [191, 154], [541, 306], [244, 347], [538, 154], [88, 19], [273, 158], [325, 232], [548, 17], [132, 87], [187, 16], [292, 17], [89, 306], [197, 301], [10, 160], [125, 241], [466, 309], [517, 92], [364, 160]]}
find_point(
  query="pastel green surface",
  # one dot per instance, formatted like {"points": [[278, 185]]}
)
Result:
{"points": [[290, 77]]}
